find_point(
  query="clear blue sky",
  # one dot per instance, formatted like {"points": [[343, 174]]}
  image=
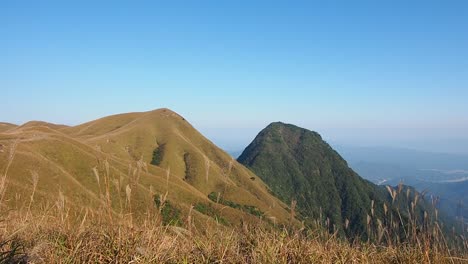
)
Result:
{"points": [[359, 72]]}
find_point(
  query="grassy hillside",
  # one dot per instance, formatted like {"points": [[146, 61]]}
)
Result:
{"points": [[107, 164], [6, 126], [42, 124]]}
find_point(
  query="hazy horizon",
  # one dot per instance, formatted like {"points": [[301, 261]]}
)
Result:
{"points": [[361, 73]]}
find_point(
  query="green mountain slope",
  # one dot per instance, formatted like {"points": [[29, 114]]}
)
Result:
{"points": [[298, 165]]}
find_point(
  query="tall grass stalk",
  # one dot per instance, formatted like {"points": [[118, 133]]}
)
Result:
{"points": [[3, 179]]}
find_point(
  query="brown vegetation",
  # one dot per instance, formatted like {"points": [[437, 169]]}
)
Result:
{"points": [[54, 237]]}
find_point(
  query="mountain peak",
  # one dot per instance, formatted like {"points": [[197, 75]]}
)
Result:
{"points": [[287, 132], [35, 123], [279, 124], [163, 110], [298, 165]]}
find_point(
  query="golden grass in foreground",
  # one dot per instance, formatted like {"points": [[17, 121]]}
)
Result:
{"points": [[51, 237]]}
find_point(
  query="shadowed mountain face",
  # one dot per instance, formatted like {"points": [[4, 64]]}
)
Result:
{"points": [[123, 161], [298, 165]]}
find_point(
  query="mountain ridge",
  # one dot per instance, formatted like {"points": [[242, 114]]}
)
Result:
{"points": [[75, 162]]}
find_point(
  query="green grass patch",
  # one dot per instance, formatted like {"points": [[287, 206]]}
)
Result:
{"points": [[158, 154], [188, 170], [209, 210], [170, 214], [253, 210]]}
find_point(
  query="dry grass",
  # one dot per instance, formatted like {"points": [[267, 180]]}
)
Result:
{"points": [[82, 161], [54, 238], [54, 235]]}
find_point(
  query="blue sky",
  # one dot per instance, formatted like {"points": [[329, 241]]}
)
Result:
{"points": [[387, 73]]}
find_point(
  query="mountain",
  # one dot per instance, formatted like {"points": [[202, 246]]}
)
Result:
{"points": [[43, 124], [128, 163], [6, 126], [298, 165]]}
